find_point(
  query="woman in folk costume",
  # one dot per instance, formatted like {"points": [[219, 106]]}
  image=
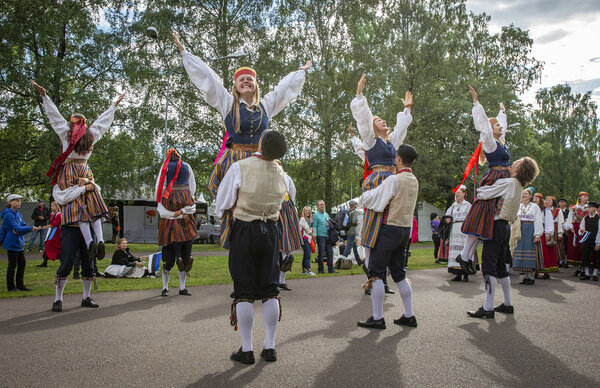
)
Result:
{"points": [[576, 214], [53, 246], [175, 188], [528, 257], [380, 151], [290, 236], [70, 171], [458, 211], [480, 219], [552, 241], [444, 230]]}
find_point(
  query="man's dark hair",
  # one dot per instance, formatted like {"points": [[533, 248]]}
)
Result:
{"points": [[408, 154], [273, 145], [432, 216]]}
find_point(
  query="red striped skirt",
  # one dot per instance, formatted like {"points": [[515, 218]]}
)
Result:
{"points": [[480, 220], [178, 230], [372, 221], [290, 237], [88, 207]]}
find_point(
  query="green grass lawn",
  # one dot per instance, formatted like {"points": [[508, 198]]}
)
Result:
{"points": [[134, 247], [206, 271]]}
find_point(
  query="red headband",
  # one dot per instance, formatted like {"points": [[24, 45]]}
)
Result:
{"points": [[244, 70]]}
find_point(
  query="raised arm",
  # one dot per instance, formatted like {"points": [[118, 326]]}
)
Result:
{"points": [[503, 122], [501, 188], [482, 124], [206, 80], [378, 198], [104, 121], [403, 120], [363, 116], [286, 91], [357, 144]]}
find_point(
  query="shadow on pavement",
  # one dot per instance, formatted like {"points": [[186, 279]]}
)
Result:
{"points": [[238, 376]]}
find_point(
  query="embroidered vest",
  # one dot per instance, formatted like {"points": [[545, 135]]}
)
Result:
{"points": [[252, 124], [383, 153]]}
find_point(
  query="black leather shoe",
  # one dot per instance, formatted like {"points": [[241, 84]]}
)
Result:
{"points": [[284, 286], [457, 278], [546, 276], [13, 289], [23, 288], [481, 313], [565, 265], [88, 302], [164, 292], [92, 251], [465, 278], [42, 265], [57, 306], [332, 271], [595, 278], [464, 265], [243, 357], [101, 251], [477, 266], [412, 321], [371, 323], [185, 292], [527, 282], [359, 262], [505, 309], [584, 277], [269, 355], [388, 290], [577, 273], [368, 291]]}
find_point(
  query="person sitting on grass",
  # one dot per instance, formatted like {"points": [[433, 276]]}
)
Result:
{"points": [[124, 264]]}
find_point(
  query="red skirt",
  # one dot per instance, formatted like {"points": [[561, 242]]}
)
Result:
{"points": [[178, 230], [574, 255], [52, 247], [549, 252]]}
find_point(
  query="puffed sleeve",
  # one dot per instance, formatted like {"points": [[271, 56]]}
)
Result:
{"points": [[501, 188], [364, 121], [548, 222], [208, 82], [482, 125], [560, 220], [378, 198], [358, 148], [285, 92], [291, 188], [191, 181], [71, 193], [58, 123], [569, 222], [538, 223], [403, 120], [102, 123], [582, 226], [503, 123], [228, 190]]}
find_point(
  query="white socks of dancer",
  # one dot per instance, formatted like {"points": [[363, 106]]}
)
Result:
{"points": [[595, 272], [586, 270], [60, 287], [405, 291], [469, 248], [270, 315], [282, 277], [182, 276], [377, 293], [245, 319], [97, 227], [84, 227], [505, 283], [165, 277], [87, 286], [490, 291]]}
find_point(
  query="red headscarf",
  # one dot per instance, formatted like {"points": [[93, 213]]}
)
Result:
{"points": [[163, 175], [79, 128]]}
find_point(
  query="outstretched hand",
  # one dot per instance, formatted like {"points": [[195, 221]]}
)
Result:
{"points": [[119, 100], [361, 85], [408, 100], [40, 89], [473, 94], [502, 108], [351, 131], [307, 65], [177, 42]]}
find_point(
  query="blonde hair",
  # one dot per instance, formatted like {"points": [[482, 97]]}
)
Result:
{"points": [[235, 110], [120, 241], [387, 134], [304, 211]]}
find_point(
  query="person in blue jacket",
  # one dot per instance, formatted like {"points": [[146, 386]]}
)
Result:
{"points": [[11, 234]]}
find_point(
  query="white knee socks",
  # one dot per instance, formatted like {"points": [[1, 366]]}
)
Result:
{"points": [[245, 318], [60, 287], [490, 291], [469, 248], [165, 278], [595, 272], [97, 227], [587, 271], [505, 283], [87, 286], [377, 293], [281, 277], [367, 254], [182, 276], [270, 315], [405, 291], [84, 227]]}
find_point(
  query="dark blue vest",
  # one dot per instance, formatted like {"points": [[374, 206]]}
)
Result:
{"points": [[500, 157], [383, 153], [251, 125], [184, 173]]}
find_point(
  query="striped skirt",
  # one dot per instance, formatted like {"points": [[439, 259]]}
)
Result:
{"points": [[178, 230], [88, 207], [528, 256], [290, 239], [574, 255], [372, 220], [229, 157], [480, 220]]}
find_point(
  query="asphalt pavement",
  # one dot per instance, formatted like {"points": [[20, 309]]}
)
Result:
{"points": [[138, 338]]}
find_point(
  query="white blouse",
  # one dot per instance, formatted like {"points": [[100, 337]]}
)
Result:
{"points": [[61, 126], [357, 145], [483, 126], [459, 211], [532, 212], [559, 220], [219, 98], [364, 121]]}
